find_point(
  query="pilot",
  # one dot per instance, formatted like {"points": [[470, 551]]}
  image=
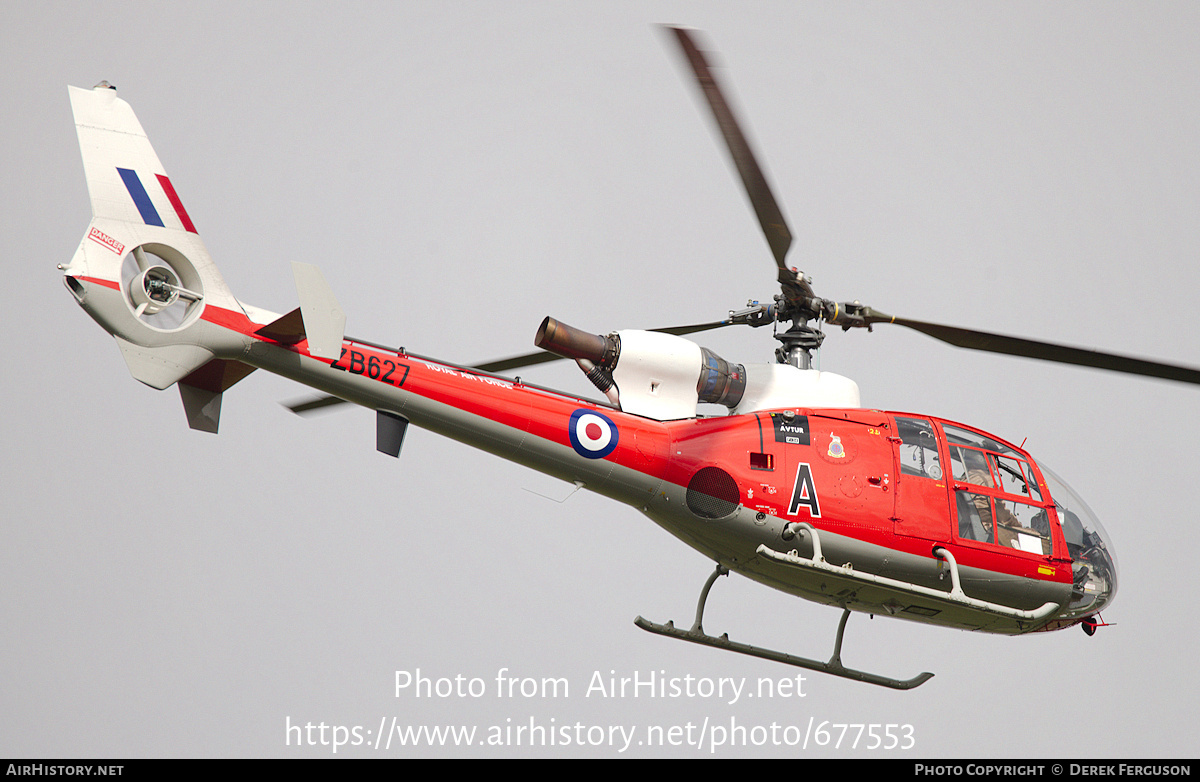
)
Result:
{"points": [[978, 474]]}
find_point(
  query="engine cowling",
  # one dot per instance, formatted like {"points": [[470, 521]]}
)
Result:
{"points": [[663, 376], [657, 375]]}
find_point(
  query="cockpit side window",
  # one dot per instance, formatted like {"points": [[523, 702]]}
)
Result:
{"points": [[1006, 522], [1015, 477], [918, 448], [1012, 521], [1006, 473], [1023, 526], [970, 465], [974, 516], [958, 436]]}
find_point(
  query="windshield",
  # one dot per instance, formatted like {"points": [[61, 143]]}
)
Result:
{"points": [[1091, 550]]}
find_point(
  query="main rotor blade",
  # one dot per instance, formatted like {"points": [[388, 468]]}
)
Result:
{"points": [[679, 331], [761, 198], [516, 362], [1046, 351], [319, 403]]}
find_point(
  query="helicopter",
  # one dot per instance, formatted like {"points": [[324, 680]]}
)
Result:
{"points": [[798, 487]]}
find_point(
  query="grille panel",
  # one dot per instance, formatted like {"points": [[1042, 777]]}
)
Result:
{"points": [[712, 493]]}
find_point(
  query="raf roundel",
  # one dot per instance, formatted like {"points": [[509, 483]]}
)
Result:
{"points": [[593, 435]]}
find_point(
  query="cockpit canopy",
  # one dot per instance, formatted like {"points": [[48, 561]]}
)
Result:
{"points": [[1004, 499]]}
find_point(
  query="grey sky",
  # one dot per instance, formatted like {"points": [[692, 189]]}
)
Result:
{"points": [[459, 171]]}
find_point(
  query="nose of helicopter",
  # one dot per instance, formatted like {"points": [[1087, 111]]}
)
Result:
{"points": [[1092, 557]]}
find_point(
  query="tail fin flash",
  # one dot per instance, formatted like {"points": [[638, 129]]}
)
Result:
{"points": [[125, 178]]}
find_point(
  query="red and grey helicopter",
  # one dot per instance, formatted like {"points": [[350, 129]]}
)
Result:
{"points": [[798, 487]]}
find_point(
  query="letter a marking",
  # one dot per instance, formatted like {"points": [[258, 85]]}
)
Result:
{"points": [[805, 493]]}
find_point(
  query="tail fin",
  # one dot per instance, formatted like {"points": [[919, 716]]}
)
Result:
{"points": [[117, 155], [134, 203], [141, 270]]}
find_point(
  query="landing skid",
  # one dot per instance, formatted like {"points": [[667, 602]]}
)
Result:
{"points": [[833, 667]]}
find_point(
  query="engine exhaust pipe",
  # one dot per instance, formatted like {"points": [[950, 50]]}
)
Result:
{"points": [[569, 342]]}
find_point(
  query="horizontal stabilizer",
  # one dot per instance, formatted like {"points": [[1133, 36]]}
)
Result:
{"points": [[286, 330], [159, 367], [218, 375]]}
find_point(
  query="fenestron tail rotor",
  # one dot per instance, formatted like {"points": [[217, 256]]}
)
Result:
{"points": [[156, 289]]}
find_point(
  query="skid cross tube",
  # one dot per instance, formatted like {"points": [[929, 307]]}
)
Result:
{"points": [[832, 667]]}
